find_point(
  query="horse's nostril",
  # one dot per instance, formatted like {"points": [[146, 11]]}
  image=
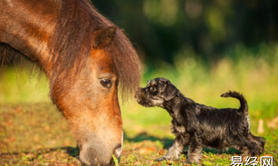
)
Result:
{"points": [[118, 150]]}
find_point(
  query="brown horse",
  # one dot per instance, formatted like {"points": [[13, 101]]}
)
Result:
{"points": [[85, 57]]}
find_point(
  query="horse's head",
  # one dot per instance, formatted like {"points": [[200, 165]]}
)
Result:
{"points": [[88, 96], [102, 124]]}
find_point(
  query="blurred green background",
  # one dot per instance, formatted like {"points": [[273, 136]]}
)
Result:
{"points": [[204, 47], [162, 29]]}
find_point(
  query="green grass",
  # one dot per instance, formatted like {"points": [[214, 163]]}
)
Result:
{"points": [[33, 132]]}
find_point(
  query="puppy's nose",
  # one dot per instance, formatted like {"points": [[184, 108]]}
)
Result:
{"points": [[137, 93]]}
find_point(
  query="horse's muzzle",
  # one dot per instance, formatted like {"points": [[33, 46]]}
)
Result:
{"points": [[98, 153]]}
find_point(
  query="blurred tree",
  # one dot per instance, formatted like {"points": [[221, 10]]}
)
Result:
{"points": [[160, 29]]}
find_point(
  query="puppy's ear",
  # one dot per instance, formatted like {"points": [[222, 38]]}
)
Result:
{"points": [[162, 85], [103, 37], [171, 92], [170, 96], [164, 81]]}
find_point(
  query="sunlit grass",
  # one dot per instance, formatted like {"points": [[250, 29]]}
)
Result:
{"points": [[22, 85]]}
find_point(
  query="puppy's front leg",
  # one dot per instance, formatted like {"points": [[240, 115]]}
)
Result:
{"points": [[195, 151], [174, 151]]}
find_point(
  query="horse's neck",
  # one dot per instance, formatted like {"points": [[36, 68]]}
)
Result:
{"points": [[27, 25]]}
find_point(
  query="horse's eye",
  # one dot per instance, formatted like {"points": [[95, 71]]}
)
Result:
{"points": [[107, 83]]}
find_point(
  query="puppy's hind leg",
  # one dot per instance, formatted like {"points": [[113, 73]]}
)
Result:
{"points": [[250, 148], [174, 151], [259, 141]]}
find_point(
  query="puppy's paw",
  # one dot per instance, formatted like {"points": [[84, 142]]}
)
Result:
{"points": [[160, 159], [168, 157]]}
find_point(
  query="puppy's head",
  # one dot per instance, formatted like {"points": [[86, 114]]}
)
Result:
{"points": [[157, 91]]}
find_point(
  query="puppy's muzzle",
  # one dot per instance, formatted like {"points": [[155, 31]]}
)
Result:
{"points": [[139, 95]]}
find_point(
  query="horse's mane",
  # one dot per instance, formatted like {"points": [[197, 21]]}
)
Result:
{"points": [[71, 43]]}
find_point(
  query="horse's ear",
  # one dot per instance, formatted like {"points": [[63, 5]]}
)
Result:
{"points": [[103, 37]]}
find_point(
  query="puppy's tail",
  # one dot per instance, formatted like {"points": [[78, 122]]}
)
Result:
{"points": [[243, 104]]}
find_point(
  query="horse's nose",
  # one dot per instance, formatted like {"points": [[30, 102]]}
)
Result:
{"points": [[99, 153]]}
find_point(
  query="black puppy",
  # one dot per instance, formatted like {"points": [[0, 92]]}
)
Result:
{"points": [[201, 126]]}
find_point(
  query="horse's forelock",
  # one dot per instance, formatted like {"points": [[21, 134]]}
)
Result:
{"points": [[72, 41], [126, 62]]}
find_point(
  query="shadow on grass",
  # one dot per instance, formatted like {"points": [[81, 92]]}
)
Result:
{"points": [[143, 136], [215, 151], [167, 142], [71, 151]]}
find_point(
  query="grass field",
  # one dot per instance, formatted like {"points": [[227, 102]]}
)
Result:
{"points": [[33, 132]]}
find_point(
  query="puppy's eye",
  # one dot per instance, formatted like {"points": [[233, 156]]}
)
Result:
{"points": [[107, 83], [153, 89], [148, 83]]}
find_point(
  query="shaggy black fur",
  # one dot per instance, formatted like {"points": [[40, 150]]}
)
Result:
{"points": [[201, 126]]}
